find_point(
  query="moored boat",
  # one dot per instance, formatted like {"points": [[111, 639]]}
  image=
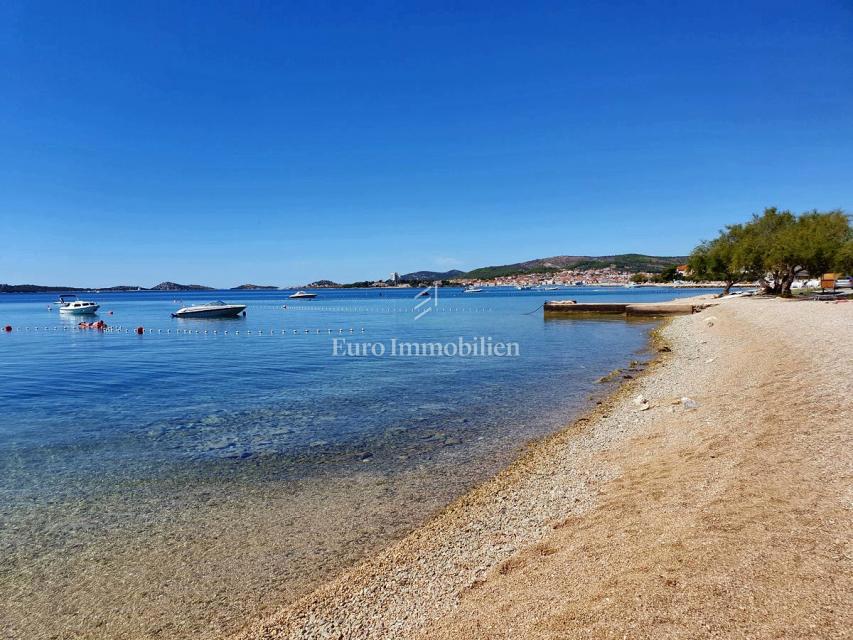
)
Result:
{"points": [[65, 300], [215, 309], [77, 307], [302, 295]]}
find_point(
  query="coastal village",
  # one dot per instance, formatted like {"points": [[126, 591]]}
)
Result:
{"points": [[604, 277], [609, 276]]}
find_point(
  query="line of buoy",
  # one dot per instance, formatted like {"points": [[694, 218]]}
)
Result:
{"points": [[141, 330]]}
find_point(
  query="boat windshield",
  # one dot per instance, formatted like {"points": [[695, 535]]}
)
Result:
{"points": [[215, 303]]}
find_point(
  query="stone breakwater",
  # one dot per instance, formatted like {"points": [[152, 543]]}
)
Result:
{"points": [[652, 309]]}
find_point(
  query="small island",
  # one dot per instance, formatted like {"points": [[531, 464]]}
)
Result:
{"points": [[254, 287], [173, 286]]}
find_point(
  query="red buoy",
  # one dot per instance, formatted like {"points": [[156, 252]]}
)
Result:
{"points": [[140, 330], [8, 328]]}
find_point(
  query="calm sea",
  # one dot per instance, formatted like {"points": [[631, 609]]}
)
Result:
{"points": [[240, 459]]}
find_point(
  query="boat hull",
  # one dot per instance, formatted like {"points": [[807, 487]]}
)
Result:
{"points": [[80, 311], [232, 311]]}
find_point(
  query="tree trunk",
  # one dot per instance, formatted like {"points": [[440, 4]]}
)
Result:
{"points": [[727, 287], [769, 289], [787, 281]]}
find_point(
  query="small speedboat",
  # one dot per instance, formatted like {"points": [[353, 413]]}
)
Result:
{"points": [[472, 290], [299, 295], [215, 309], [77, 307]]}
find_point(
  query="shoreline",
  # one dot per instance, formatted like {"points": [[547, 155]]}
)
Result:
{"points": [[457, 575], [298, 619], [251, 534]]}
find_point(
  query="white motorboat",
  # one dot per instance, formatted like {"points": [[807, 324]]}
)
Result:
{"points": [[77, 307], [299, 295], [472, 290], [215, 309], [65, 300]]}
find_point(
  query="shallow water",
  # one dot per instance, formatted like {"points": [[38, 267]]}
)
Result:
{"points": [[182, 481]]}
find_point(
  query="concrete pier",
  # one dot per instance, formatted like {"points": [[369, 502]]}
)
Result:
{"points": [[622, 308]]}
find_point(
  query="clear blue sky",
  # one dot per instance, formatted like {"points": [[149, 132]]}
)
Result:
{"points": [[223, 143]]}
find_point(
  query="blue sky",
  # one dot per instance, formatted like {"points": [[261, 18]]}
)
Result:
{"points": [[279, 143]]}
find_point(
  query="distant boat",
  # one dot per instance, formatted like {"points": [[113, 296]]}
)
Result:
{"points": [[472, 290], [550, 288], [299, 295], [77, 307], [215, 309]]}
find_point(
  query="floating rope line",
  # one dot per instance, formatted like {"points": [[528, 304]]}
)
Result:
{"points": [[386, 310], [119, 329]]}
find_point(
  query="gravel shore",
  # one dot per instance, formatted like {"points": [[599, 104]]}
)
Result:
{"points": [[709, 497]]}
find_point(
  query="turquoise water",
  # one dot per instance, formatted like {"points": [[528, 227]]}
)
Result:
{"points": [[106, 434], [85, 401]]}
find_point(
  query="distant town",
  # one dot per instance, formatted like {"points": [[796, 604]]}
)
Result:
{"points": [[603, 277], [616, 270]]}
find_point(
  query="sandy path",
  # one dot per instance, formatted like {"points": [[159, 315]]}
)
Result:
{"points": [[729, 520]]}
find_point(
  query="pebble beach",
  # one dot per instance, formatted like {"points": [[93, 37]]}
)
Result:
{"points": [[707, 497]]}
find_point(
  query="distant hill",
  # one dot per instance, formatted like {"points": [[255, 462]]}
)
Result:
{"points": [[173, 286], [254, 287], [322, 284], [33, 288], [432, 275], [37, 288], [633, 262]]}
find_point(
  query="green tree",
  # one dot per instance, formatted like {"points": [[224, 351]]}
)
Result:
{"points": [[819, 240], [667, 275], [714, 259], [844, 258], [775, 247], [758, 252]]}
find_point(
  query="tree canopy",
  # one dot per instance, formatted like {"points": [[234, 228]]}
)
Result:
{"points": [[775, 247]]}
